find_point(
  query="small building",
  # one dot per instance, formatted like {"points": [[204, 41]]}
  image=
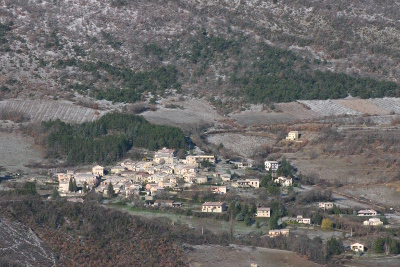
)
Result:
{"points": [[357, 247], [165, 155], [284, 181], [217, 207], [273, 233], [271, 165], [292, 136], [367, 213], [201, 179], [195, 159], [373, 222], [98, 170], [300, 219], [226, 177], [325, 205], [117, 169], [263, 212], [249, 183], [218, 189], [164, 203]]}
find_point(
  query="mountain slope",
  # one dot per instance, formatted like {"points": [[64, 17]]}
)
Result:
{"points": [[201, 47]]}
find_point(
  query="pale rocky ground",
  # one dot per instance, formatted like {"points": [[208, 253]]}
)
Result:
{"points": [[22, 245]]}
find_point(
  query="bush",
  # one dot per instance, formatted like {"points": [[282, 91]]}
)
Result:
{"points": [[326, 225]]}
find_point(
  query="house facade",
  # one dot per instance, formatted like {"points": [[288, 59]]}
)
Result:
{"points": [[357, 247], [373, 222], [273, 233], [98, 170], [218, 189], [300, 219], [166, 155], [325, 205], [263, 212], [248, 183], [367, 213], [217, 207], [292, 136], [284, 181], [271, 165]]}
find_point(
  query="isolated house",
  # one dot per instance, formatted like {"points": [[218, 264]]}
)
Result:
{"points": [[373, 222], [217, 207], [367, 213], [263, 212], [292, 136], [300, 219], [164, 203], [271, 165], [357, 247], [284, 181], [273, 233], [325, 205]]}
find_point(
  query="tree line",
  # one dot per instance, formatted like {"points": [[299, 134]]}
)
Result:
{"points": [[108, 139]]}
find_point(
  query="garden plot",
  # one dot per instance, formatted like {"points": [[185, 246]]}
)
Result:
{"points": [[21, 245], [363, 106], [244, 145], [45, 110], [389, 104], [328, 108]]}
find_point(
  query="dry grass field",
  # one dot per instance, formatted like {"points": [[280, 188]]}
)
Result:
{"points": [[17, 151], [210, 256]]}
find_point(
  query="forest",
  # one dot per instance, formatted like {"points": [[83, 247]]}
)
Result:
{"points": [[108, 139], [107, 236]]}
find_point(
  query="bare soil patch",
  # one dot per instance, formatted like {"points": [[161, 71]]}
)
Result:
{"points": [[363, 106], [204, 256], [16, 151], [244, 145]]}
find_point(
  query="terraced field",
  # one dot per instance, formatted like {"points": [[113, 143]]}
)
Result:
{"points": [[45, 110]]}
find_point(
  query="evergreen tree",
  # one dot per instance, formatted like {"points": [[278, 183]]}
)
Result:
{"points": [[74, 187], [110, 190], [70, 186], [85, 187], [55, 194]]}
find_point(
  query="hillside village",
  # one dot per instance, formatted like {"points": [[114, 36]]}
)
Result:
{"points": [[198, 185]]}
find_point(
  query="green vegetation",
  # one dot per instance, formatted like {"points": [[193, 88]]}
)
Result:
{"points": [[108, 139], [3, 31], [326, 225], [131, 85]]}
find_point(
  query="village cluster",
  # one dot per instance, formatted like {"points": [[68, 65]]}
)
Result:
{"points": [[149, 178]]}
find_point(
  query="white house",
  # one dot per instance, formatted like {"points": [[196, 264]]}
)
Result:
{"points": [[300, 219], [248, 183], [357, 247], [264, 212], [292, 136], [213, 207], [284, 181], [325, 205], [367, 213], [273, 233], [373, 222], [195, 159], [166, 155], [271, 165], [218, 189], [117, 169], [98, 170]]}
